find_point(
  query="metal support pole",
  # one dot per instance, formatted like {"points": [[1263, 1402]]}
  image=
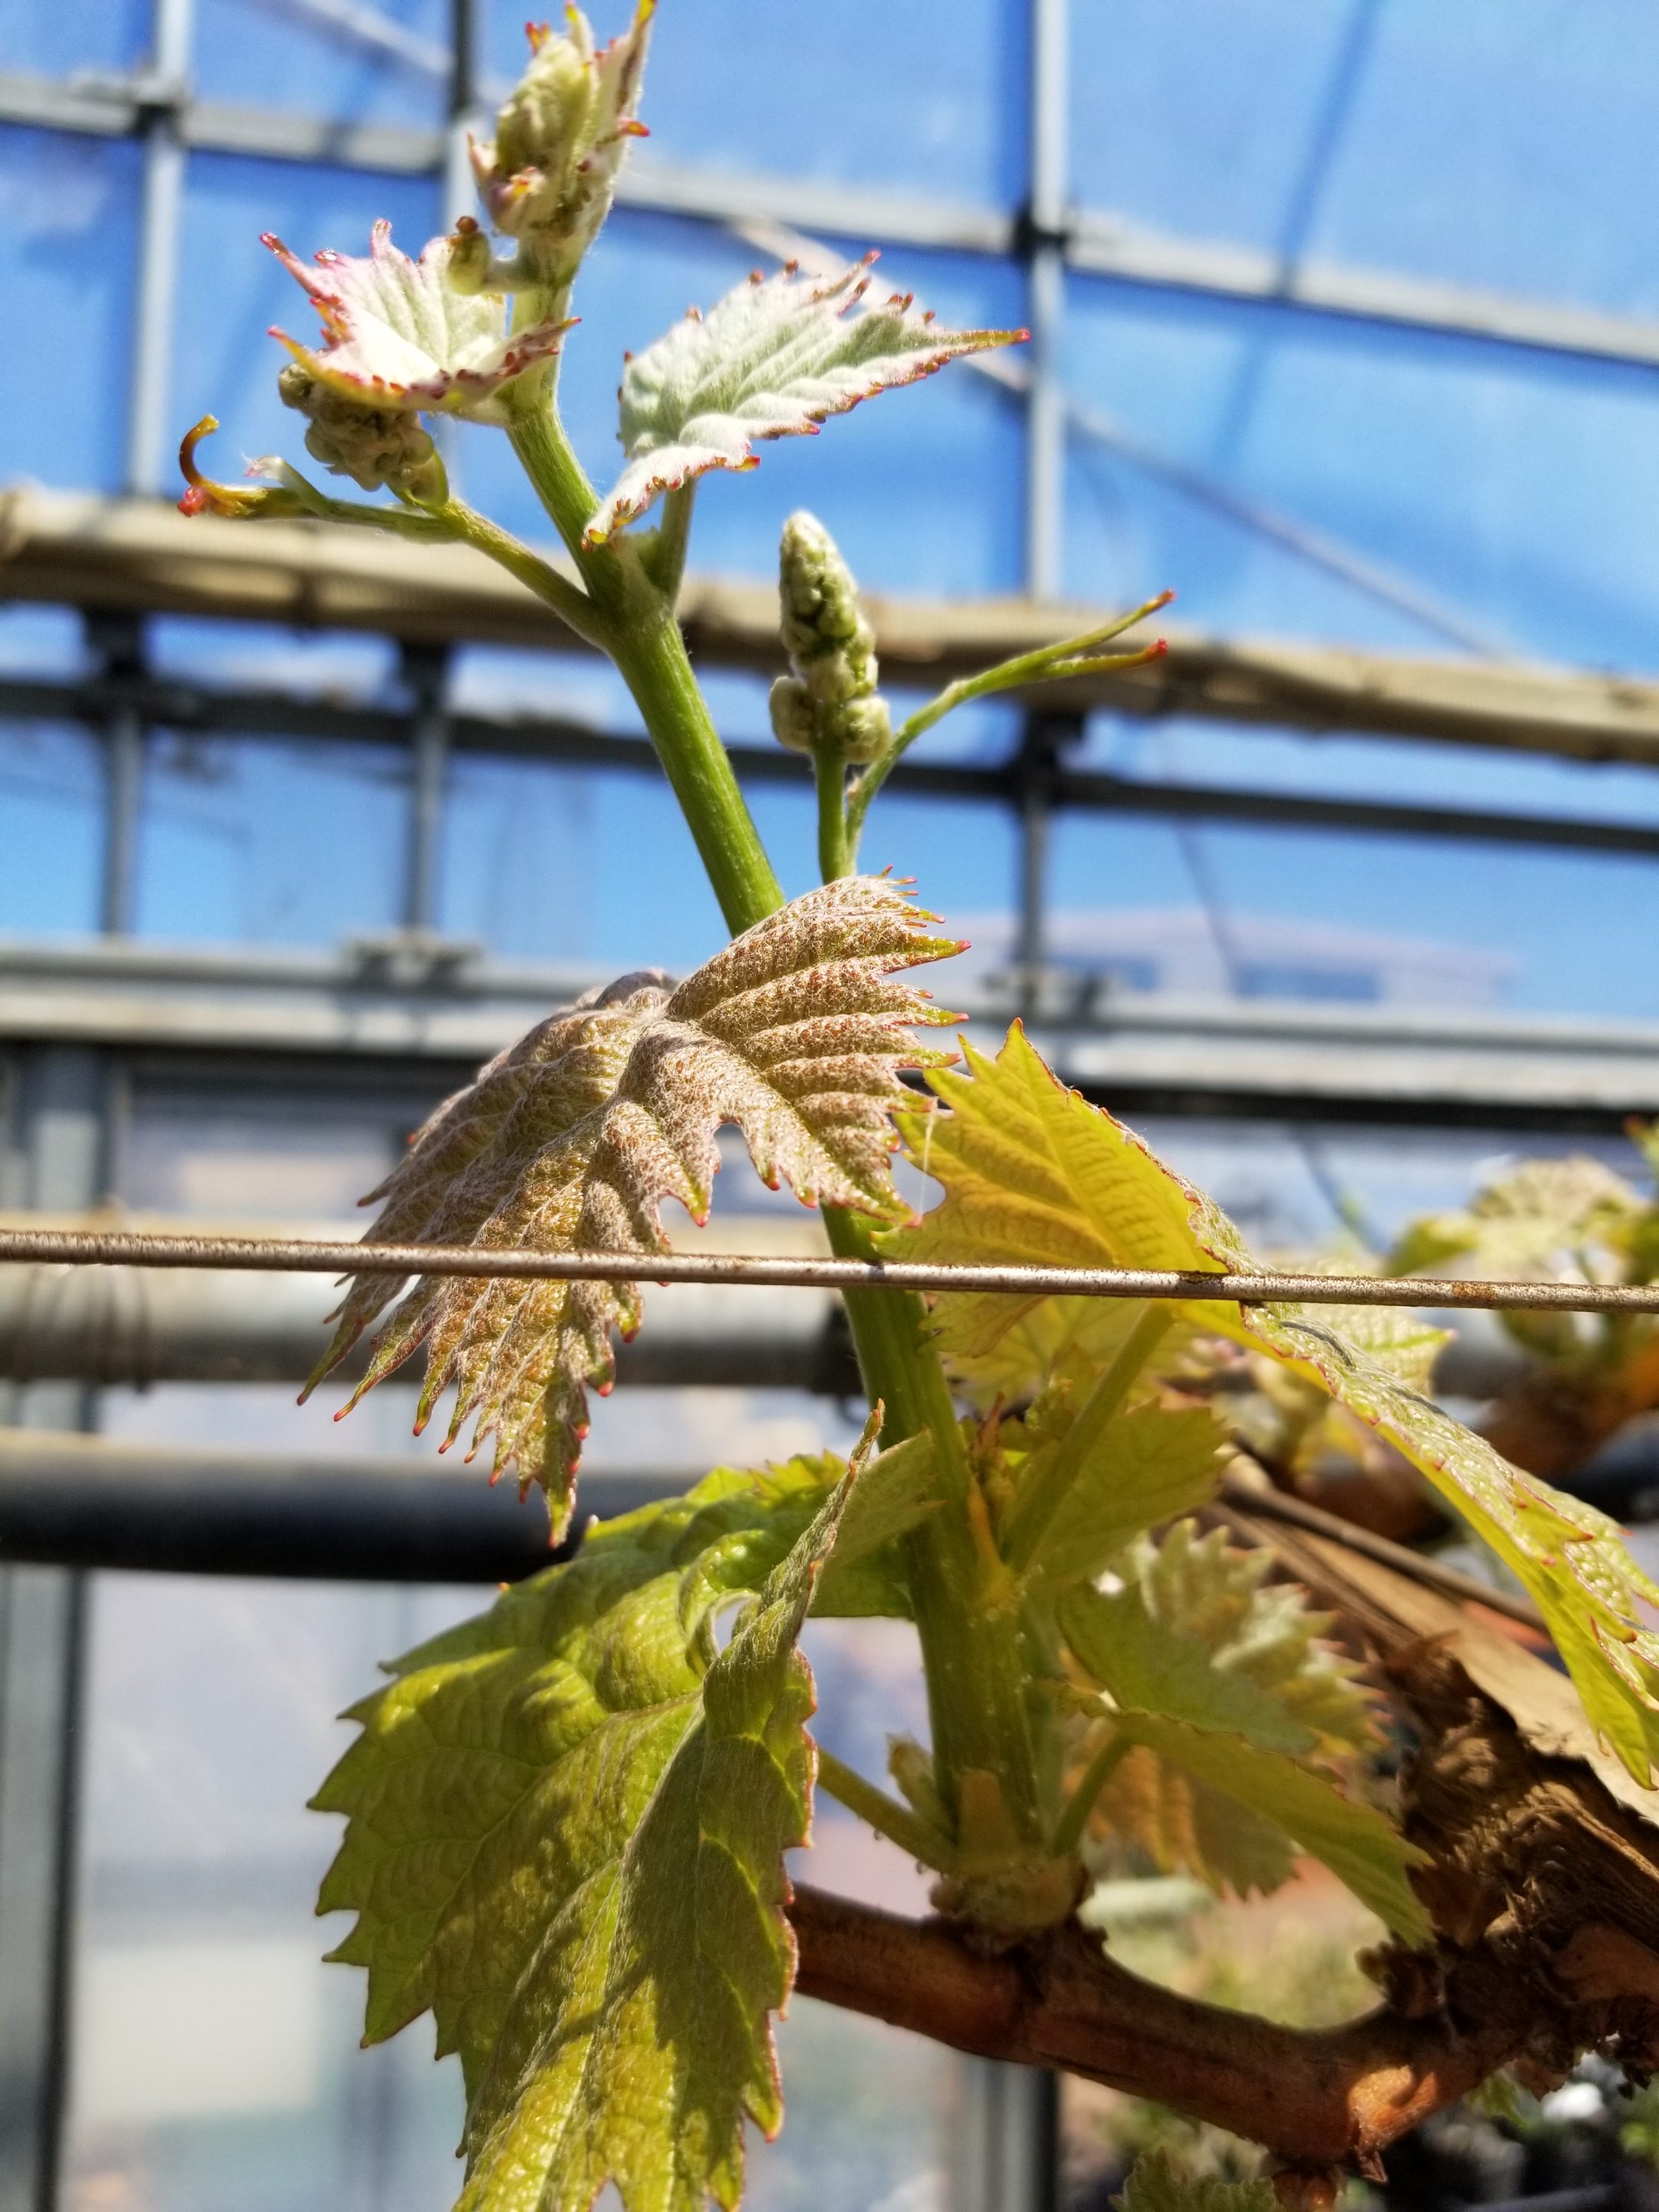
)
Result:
{"points": [[465, 113], [123, 750], [426, 670], [1046, 229], [160, 202], [59, 1146], [1004, 2153], [1037, 772], [117, 641]]}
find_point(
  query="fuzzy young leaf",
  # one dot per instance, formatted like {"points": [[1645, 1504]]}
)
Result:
{"points": [[1156, 2185], [573, 1140], [397, 335], [1032, 1172], [774, 359], [565, 1826]]}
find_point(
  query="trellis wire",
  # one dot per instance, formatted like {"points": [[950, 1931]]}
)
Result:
{"points": [[303, 1255]]}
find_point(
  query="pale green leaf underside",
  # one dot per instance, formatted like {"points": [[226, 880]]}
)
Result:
{"points": [[1032, 1172], [1223, 1730], [1263, 1631], [774, 359], [1149, 1465], [1156, 2185], [565, 1822]]}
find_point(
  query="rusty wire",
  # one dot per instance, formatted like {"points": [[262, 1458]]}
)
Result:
{"points": [[132, 1248]]}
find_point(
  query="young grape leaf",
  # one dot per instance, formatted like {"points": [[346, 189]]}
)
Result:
{"points": [[396, 335], [1032, 1172], [566, 1823], [1225, 1732], [1183, 1826], [1265, 1633], [1149, 1666], [1261, 1631], [1015, 1365], [1155, 2186], [1549, 1218], [774, 359], [1149, 1465], [571, 1141]]}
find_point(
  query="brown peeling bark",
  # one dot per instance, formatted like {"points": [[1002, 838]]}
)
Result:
{"points": [[1544, 1889], [1314, 2100]]}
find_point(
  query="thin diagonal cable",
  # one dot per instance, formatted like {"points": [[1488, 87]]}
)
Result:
{"points": [[1263, 1286]]}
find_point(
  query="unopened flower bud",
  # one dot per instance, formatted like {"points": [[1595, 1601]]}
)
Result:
{"points": [[794, 722], [471, 261], [865, 730], [373, 446], [548, 176], [830, 697]]}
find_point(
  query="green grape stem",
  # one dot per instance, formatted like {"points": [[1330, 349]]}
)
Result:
{"points": [[970, 1648]]}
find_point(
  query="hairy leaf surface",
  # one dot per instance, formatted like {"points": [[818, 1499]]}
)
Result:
{"points": [[1033, 1172], [565, 1826], [573, 1140], [774, 359]]}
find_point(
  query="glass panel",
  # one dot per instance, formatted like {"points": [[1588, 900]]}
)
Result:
{"points": [[215, 2052], [1235, 756], [1404, 137], [541, 863], [384, 64], [273, 1151], [57, 41], [227, 365], [259, 657], [260, 841], [927, 99], [1506, 495], [41, 642], [52, 827], [67, 208], [922, 487], [1280, 1184], [1317, 916]]}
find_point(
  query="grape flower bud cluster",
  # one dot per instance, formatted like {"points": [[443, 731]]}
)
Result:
{"points": [[829, 700], [547, 177]]}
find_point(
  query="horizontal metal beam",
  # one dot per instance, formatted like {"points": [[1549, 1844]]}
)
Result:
{"points": [[441, 1009], [136, 1327], [1105, 245], [137, 556], [1093, 241], [81, 1501], [201, 709]]}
